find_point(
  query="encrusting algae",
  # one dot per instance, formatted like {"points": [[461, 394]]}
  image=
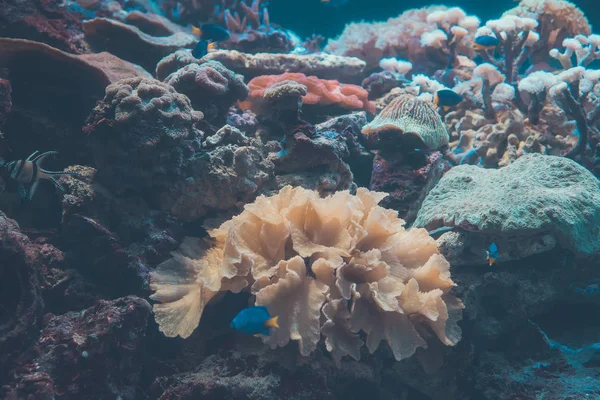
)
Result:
{"points": [[331, 266]]}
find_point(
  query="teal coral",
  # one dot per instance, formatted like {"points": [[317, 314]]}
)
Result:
{"points": [[533, 195]]}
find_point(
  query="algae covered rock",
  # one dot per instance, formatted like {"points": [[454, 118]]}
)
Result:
{"points": [[141, 135], [211, 88], [535, 195]]}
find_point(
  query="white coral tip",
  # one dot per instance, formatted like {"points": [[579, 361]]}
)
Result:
{"points": [[471, 23], [433, 39], [459, 31], [395, 65], [532, 38]]}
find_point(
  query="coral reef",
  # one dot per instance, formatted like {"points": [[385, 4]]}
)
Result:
{"points": [[43, 21], [45, 116], [412, 36], [211, 88], [407, 179], [252, 32], [319, 91], [231, 170], [132, 44], [262, 174], [532, 197], [357, 252], [75, 354], [322, 65], [557, 19], [516, 37], [141, 134], [407, 122], [21, 302]]}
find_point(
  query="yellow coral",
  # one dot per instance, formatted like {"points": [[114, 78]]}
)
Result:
{"points": [[331, 266]]}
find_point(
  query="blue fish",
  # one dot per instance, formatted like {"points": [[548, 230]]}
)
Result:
{"points": [[446, 98], [492, 253], [202, 48], [211, 32], [485, 42], [334, 3], [254, 320]]}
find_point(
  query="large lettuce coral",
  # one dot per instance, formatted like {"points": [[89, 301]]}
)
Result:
{"points": [[334, 265]]}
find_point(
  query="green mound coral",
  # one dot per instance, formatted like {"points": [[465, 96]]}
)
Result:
{"points": [[536, 194]]}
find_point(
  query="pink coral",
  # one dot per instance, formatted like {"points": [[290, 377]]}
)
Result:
{"points": [[397, 37], [320, 91]]}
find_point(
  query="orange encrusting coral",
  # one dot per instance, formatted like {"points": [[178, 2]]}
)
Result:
{"points": [[320, 91]]}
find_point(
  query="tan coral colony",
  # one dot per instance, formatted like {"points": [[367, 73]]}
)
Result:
{"points": [[332, 266]]}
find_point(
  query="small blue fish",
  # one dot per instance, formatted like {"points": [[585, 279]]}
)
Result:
{"points": [[254, 320], [446, 98], [492, 253], [485, 42], [334, 3], [211, 32], [202, 48]]}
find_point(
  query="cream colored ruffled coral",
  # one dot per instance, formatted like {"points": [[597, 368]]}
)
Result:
{"points": [[333, 266]]}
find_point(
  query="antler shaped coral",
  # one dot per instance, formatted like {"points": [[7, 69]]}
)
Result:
{"points": [[302, 255]]}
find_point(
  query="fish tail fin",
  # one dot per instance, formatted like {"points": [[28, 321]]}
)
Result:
{"points": [[196, 30], [446, 108], [211, 46], [436, 100], [273, 322]]}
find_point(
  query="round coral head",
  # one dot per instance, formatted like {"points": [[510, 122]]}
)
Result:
{"points": [[412, 121]]}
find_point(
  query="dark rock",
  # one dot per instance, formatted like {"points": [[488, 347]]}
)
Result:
{"points": [[407, 178], [47, 21], [379, 83], [52, 94], [95, 353], [21, 302], [131, 44], [141, 135]]}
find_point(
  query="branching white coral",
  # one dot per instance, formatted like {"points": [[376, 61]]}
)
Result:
{"points": [[573, 92], [393, 64], [435, 39], [426, 85], [585, 48], [516, 38], [331, 266], [454, 28], [490, 77], [503, 93]]}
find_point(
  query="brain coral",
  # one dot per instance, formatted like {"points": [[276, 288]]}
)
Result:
{"points": [[535, 194], [410, 116], [210, 86], [138, 134], [334, 265]]}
